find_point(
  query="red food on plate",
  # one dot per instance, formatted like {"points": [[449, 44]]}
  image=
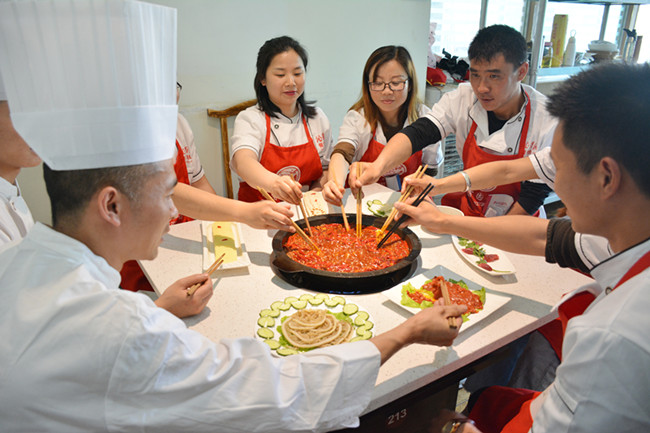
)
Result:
{"points": [[458, 295], [485, 266], [343, 251], [491, 257]]}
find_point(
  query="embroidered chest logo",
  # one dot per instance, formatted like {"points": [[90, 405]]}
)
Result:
{"points": [[292, 171], [320, 141]]}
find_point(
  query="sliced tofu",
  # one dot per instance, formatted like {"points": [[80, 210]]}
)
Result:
{"points": [[224, 241]]}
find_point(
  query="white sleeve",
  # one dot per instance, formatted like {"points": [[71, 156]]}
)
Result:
{"points": [[446, 112], [234, 385], [325, 151], [544, 167], [185, 138], [356, 131], [249, 132]]}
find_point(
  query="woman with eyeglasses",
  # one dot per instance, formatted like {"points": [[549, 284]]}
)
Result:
{"points": [[283, 143], [389, 101]]}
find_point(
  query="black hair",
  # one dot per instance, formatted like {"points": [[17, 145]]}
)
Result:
{"points": [[270, 49], [70, 191], [605, 111], [499, 39]]}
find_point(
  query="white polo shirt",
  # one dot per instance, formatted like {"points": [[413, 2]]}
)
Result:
{"points": [[15, 217]]}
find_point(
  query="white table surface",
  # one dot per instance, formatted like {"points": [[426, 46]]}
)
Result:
{"points": [[240, 295]]}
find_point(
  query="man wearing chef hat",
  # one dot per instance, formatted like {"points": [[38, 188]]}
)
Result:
{"points": [[77, 353], [15, 154]]}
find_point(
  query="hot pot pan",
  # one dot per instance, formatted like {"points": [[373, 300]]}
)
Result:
{"points": [[309, 278]]}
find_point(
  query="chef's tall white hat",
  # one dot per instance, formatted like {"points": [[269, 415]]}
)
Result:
{"points": [[91, 83]]}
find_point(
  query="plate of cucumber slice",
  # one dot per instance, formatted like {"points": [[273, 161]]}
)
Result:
{"points": [[358, 323]]}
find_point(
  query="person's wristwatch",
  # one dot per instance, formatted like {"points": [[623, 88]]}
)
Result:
{"points": [[453, 425]]}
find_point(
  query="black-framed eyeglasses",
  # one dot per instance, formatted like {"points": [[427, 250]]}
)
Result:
{"points": [[395, 86], [178, 86]]}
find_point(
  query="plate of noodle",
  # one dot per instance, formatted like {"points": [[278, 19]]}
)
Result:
{"points": [[310, 321]]}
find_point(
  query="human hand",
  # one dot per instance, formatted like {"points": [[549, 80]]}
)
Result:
{"points": [[286, 189], [426, 214], [370, 173], [332, 193], [176, 301], [448, 421], [431, 325], [267, 214], [418, 184]]}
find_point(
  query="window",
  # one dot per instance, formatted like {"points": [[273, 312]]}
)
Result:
{"points": [[456, 24]]}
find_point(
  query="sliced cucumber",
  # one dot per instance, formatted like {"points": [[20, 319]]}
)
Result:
{"points": [[359, 320], [285, 351], [276, 305], [290, 299], [283, 306], [299, 305], [363, 315], [331, 303], [266, 321], [265, 333], [270, 313], [306, 297], [339, 299], [365, 335], [273, 344], [316, 301], [368, 325], [350, 309], [322, 296]]}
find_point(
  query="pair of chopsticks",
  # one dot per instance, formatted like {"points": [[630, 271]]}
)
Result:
{"points": [[345, 217], [407, 193], [404, 217], [304, 212], [295, 225], [210, 270], [445, 295], [359, 195]]}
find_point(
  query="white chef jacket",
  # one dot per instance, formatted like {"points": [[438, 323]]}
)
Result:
{"points": [[602, 384], [185, 138], [456, 110], [592, 249], [77, 355], [15, 217], [250, 132], [356, 131]]}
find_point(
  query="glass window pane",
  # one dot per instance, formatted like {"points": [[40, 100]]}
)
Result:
{"points": [[585, 19], [508, 12], [456, 24], [642, 26]]}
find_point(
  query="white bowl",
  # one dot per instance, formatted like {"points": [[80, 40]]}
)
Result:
{"points": [[602, 46]]}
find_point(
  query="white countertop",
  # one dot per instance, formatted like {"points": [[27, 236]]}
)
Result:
{"points": [[240, 295]]}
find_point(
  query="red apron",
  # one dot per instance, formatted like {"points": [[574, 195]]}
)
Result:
{"points": [[301, 162], [475, 203], [132, 277], [496, 408]]}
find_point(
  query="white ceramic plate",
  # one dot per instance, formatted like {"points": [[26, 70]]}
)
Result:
{"points": [[492, 301], [294, 307], [208, 248], [502, 266]]}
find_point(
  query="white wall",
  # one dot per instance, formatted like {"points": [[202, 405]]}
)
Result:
{"points": [[217, 47]]}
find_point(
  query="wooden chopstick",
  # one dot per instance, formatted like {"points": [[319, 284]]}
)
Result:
{"points": [[445, 294], [403, 218], [210, 270], [359, 194], [345, 217], [304, 212], [407, 193], [295, 225]]}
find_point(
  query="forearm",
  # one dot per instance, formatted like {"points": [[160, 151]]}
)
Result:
{"points": [[518, 234], [397, 150], [199, 204], [204, 184], [338, 169], [389, 343], [489, 175]]}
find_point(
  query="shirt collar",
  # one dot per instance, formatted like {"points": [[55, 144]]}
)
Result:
{"points": [[73, 251], [8, 190], [608, 272]]}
